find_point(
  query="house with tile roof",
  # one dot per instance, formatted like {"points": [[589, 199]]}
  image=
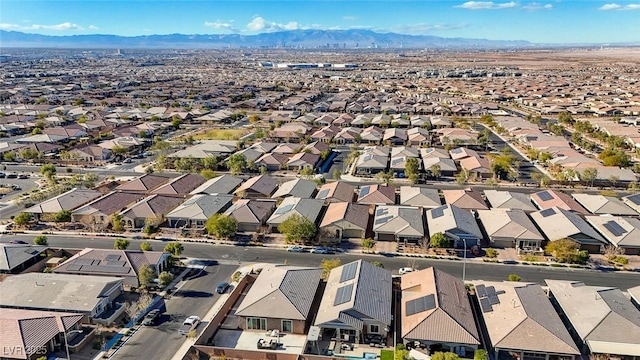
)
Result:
{"points": [[15, 258], [427, 198], [297, 187], [123, 264], [601, 319], [87, 295], [557, 223], [181, 185], [510, 228], [153, 207], [398, 223], [97, 214], [195, 212], [303, 160], [345, 220], [31, 334], [377, 194], [292, 288], [223, 184], [251, 214], [623, 232], [436, 313], [546, 199], [307, 208], [257, 187], [509, 200], [457, 224], [356, 303], [337, 191], [520, 321], [469, 199], [143, 184], [446, 166], [69, 200], [599, 204]]}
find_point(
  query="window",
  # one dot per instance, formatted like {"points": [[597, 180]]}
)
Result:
{"points": [[287, 326], [374, 329], [256, 323]]}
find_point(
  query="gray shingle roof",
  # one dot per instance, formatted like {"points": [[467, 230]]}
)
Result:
{"points": [[12, 255]]}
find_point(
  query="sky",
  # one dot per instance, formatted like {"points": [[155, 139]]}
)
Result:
{"points": [[539, 21]]}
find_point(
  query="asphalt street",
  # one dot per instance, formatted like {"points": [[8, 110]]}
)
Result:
{"points": [[237, 255], [195, 297]]}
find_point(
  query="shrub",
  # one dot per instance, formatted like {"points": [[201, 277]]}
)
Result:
{"points": [[491, 253], [97, 345], [236, 276], [514, 277], [439, 240]]}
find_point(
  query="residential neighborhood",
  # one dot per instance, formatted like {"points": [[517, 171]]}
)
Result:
{"points": [[411, 205]]}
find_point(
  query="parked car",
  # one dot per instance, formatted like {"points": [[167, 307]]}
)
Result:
{"points": [[319, 250], [222, 287], [17, 242], [405, 270], [23, 176], [190, 323], [3, 175], [12, 176], [295, 248], [127, 161], [151, 317]]}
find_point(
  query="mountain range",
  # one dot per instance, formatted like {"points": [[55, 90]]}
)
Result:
{"points": [[349, 39]]}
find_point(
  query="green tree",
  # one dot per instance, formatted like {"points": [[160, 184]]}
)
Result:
{"points": [[174, 248], [337, 174], [462, 177], [49, 172], [368, 243], [567, 251], [307, 172], [119, 150], [614, 157], [514, 277], [208, 174], [41, 240], [385, 176], [146, 246], [89, 180], [211, 162], [588, 176], [165, 278], [435, 171], [221, 226], [412, 169], [378, 264], [401, 353], [146, 274], [9, 156], [117, 223], [481, 354], [121, 244], [254, 118], [176, 122], [327, 265], [236, 164], [62, 216], [565, 118], [325, 154], [439, 240], [22, 219], [297, 229]]}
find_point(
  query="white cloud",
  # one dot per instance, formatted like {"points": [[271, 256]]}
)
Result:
{"points": [[222, 25], [93, 27], [261, 24], [537, 6], [614, 6], [350, 18], [423, 28], [486, 5], [56, 27]]}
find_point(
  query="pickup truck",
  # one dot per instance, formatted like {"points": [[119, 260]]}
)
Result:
{"points": [[189, 324]]}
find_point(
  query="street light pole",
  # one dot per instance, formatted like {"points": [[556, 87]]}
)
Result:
{"points": [[66, 341]]}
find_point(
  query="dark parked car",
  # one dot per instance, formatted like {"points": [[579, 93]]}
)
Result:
{"points": [[222, 287], [12, 176], [151, 317], [17, 242], [23, 176]]}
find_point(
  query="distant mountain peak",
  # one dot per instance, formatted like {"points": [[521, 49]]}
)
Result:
{"points": [[303, 38]]}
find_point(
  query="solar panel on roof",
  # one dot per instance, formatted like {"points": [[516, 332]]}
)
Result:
{"points": [[74, 267], [364, 191], [113, 263], [381, 211], [383, 220], [490, 290], [397, 161], [112, 257], [481, 291], [634, 199], [348, 272], [284, 209], [485, 305], [493, 299], [106, 269], [437, 212], [456, 151], [614, 228], [343, 294], [83, 261], [545, 196], [420, 304], [547, 212], [323, 194]]}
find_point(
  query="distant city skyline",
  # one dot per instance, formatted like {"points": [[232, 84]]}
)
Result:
{"points": [[552, 21]]}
